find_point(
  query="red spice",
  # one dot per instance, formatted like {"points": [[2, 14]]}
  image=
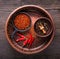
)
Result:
{"points": [[22, 21], [25, 39], [25, 42], [22, 37], [19, 39]]}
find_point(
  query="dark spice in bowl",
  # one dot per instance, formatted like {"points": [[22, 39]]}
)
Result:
{"points": [[43, 27]]}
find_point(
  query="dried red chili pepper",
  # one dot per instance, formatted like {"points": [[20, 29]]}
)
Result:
{"points": [[31, 40], [25, 42], [19, 39], [21, 35]]}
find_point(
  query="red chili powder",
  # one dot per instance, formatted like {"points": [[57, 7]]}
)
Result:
{"points": [[22, 21]]}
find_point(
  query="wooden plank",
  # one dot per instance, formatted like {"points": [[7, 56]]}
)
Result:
{"points": [[47, 4]]}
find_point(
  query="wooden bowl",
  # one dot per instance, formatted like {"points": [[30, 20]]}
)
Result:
{"points": [[46, 23], [39, 43]]}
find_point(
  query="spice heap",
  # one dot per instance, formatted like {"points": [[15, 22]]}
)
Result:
{"points": [[27, 40], [42, 28], [22, 21]]}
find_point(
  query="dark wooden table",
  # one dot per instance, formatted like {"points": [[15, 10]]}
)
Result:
{"points": [[7, 6]]}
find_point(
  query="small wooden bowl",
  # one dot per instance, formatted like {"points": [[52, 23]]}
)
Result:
{"points": [[48, 23], [24, 30], [38, 45]]}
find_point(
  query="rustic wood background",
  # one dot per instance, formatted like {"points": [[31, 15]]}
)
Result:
{"points": [[7, 6]]}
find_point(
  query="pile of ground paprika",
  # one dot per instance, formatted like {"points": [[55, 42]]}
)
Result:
{"points": [[22, 21]]}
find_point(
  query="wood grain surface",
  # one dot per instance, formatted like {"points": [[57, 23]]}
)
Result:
{"points": [[52, 6]]}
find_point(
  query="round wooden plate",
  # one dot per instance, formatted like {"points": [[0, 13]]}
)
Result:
{"points": [[39, 44]]}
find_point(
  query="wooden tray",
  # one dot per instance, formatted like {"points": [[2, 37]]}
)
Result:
{"points": [[39, 44]]}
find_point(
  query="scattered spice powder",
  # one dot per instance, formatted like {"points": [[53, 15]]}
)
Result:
{"points": [[22, 21]]}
